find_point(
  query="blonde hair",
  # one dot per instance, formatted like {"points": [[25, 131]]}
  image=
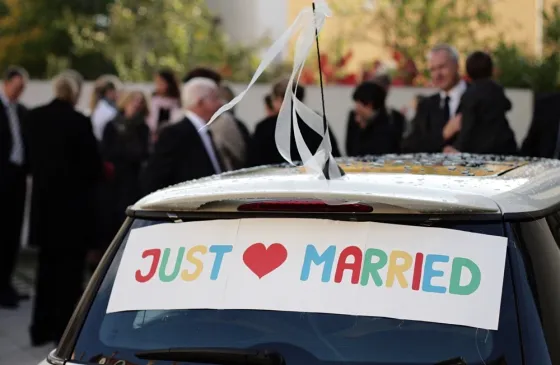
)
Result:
{"points": [[66, 88], [127, 97], [99, 85]]}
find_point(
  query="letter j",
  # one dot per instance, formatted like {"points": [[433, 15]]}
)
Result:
{"points": [[156, 254]]}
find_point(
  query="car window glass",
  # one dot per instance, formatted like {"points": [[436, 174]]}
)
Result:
{"points": [[534, 343], [303, 338], [539, 244]]}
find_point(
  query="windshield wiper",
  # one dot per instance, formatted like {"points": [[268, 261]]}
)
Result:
{"points": [[454, 361], [221, 356]]}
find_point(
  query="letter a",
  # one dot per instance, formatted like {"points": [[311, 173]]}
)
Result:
{"points": [[343, 264]]}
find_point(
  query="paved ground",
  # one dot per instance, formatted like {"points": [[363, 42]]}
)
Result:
{"points": [[15, 348]]}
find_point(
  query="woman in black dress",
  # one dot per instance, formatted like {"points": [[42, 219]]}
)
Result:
{"points": [[125, 145]]}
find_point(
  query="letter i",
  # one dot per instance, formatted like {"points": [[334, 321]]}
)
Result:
{"points": [[417, 276]]}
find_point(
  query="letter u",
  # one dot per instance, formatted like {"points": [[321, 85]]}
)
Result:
{"points": [[162, 274]]}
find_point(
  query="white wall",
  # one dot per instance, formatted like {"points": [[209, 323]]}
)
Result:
{"points": [[338, 100], [247, 21]]}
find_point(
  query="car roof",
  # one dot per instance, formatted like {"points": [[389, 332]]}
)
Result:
{"points": [[419, 183]]}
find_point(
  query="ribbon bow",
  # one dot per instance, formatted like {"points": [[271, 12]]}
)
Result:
{"points": [[308, 24]]}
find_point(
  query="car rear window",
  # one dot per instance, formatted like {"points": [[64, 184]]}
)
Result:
{"points": [[301, 337]]}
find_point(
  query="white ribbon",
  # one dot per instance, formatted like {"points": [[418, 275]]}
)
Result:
{"points": [[308, 23]]}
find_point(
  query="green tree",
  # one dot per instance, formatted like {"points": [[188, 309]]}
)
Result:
{"points": [[33, 33], [551, 36], [513, 67], [413, 26], [517, 69], [140, 36]]}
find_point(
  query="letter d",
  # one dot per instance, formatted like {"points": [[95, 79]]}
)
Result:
{"points": [[455, 283]]}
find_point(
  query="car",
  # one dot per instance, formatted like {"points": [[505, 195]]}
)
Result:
{"points": [[500, 214]]}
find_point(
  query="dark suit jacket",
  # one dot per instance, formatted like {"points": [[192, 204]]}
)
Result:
{"points": [[6, 134], [179, 155], [13, 184], [426, 128], [263, 150], [379, 137], [396, 119], [543, 133], [244, 130], [125, 144], [66, 167], [484, 125]]}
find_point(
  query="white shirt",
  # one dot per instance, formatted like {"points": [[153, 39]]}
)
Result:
{"points": [[102, 114], [16, 155], [455, 95], [199, 124]]}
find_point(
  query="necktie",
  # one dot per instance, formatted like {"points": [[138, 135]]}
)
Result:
{"points": [[446, 110], [16, 156]]}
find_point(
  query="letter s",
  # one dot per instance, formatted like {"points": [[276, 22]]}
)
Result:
{"points": [[185, 275]]}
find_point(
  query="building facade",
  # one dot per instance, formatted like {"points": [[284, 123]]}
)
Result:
{"points": [[247, 21]]}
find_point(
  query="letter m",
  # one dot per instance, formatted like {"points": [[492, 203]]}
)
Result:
{"points": [[313, 257]]}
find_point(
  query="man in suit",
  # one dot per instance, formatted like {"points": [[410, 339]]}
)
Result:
{"points": [[13, 171], [66, 167], [230, 134], [543, 138], [185, 150], [437, 121]]}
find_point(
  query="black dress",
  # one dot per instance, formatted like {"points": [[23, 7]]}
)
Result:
{"points": [[125, 145]]}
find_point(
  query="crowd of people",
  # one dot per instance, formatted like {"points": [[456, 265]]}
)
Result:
{"points": [[87, 170]]}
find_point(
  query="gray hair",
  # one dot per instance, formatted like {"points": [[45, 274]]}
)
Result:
{"points": [[75, 75], [65, 87], [196, 89], [449, 49]]}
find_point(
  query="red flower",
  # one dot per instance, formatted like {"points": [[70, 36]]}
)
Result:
{"points": [[397, 56], [410, 67], [350, 79], [324, 59], [307, 77], [328, 72], [398, 81], [344, 60]]}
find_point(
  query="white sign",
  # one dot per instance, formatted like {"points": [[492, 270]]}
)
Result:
{"points": [[314, 265]]}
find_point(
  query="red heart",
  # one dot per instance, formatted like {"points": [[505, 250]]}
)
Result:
{"points": [[262, 261]]}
